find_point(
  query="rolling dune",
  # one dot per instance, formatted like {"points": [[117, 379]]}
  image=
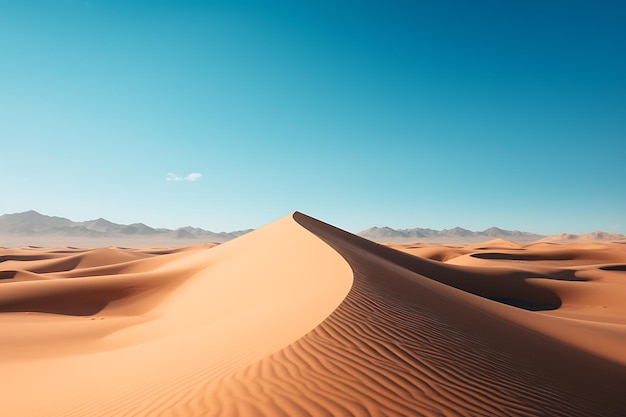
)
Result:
{"points": [[302, 319], [122, 338]]}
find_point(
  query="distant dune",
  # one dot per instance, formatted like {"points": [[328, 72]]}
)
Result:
{"points": [[587, 237], [300, 318]]}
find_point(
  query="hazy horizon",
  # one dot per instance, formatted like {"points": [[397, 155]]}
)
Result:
{"points": [[228, 116], [422, 227]]}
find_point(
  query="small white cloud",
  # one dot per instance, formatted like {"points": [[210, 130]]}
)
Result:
{"points": [[194, 176]]}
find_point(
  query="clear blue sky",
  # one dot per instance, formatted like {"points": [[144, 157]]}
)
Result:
{"points": [[360, 113]]}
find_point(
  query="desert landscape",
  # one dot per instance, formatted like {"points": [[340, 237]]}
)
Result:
{"points": [[463, 164], [299, 318]]}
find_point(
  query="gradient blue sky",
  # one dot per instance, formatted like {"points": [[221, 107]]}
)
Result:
{"points": [[360, 113]]}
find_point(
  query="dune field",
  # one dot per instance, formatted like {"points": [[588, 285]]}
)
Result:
{"points": [[300, 318]]}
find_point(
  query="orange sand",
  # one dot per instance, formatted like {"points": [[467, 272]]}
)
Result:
{"points": [[301, 318]]}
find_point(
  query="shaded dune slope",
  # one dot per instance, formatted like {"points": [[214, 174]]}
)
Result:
{"points": [[404, 344]]}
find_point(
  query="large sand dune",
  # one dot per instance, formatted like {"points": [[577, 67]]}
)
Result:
{"points": [[301, 318]]}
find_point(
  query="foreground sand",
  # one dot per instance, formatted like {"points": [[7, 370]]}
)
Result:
{"points": [[300, 318]]}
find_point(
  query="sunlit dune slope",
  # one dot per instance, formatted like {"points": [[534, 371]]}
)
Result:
{"points": [[111, 332]]}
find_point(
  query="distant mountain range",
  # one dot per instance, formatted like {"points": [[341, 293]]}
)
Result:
{"points": [[460, 235], [457, 235], [32, 223]]}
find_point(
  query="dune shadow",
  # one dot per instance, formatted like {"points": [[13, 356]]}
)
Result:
{"points": [[563, 275], [53, 265], [614, 268], [41, 257], [519, 256], [7, 274], [60, 265], [492, 248], [63, 306], [527, 305]]}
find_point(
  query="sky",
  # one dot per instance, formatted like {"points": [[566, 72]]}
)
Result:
{"points": [[228, 115]]}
